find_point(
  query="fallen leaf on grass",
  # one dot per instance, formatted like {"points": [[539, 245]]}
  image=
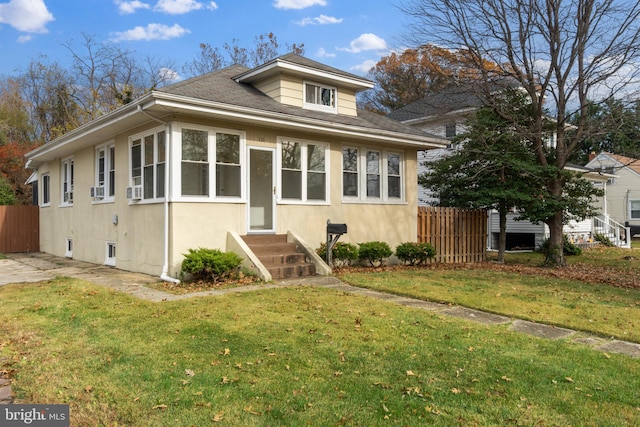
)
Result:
{"points": [[226, 352], [189, 372], [218, 417], [410, 374], [455, 391], [160, 407], [569, 379], [88, 389], [250, 410]]}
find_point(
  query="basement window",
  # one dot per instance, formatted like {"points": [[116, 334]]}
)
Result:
{"points": [[111, 254]]}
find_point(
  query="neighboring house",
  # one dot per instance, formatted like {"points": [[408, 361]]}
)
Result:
{"points": [[444, 114], [280, 148], [622, 201]]}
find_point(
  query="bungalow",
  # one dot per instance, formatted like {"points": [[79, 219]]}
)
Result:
{"points": [[218, 159]]}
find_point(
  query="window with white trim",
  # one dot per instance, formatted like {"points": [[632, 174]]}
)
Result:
{"points": [[634, 209], [66, 173], [372, 175], [303, 171], [46, 190], [211, 163], [148, 157], [320, 97], [105, 172]]}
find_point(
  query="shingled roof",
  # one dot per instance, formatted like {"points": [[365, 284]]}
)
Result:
{"points": [[221, 87], [448, 100]]}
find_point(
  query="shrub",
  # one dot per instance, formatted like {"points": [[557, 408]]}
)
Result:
{"points": [[599, 237], [342, 254], [569, 248], [415, 253], [211, 264], [375, 253]]}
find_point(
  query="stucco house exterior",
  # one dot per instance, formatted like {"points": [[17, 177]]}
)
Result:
{"points": [[444, 114], [622, 198], [278, 149]]}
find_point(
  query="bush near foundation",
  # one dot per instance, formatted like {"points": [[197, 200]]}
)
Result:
{"points": [[413, 253], [342, 254], [375, 253], [211, 264]]}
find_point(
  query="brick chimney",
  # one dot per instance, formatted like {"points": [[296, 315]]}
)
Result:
{"points": [[592, 155]]}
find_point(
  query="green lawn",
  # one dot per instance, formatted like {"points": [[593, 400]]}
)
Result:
{"points": [[531, 292], [295, 356]]}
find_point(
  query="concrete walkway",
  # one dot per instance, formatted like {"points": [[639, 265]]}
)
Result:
{"points": [[36, 267]]}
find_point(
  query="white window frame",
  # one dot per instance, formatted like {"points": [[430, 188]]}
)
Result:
{"points": [[362, 173], [110, 254], [304, 200], [46, 190], [68, 249], [211, 161], [108, 150], [67, 177], [158, 191], [318, 106], [631, 210]]}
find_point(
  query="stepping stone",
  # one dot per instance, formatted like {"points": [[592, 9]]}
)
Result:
{"points": [[477, 316], [540, 330], [623, 347]]}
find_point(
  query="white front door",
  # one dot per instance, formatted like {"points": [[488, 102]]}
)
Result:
{"points": [[262, 198]]}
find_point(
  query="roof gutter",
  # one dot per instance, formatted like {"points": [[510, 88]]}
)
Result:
{"points": [[167, 186], [286, 120]]}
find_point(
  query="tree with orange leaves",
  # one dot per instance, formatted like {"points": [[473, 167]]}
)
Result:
{"points": [[16, 139], [415, 73]]}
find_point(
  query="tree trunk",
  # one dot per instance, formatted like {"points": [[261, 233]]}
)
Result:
{"points": [[502, 239], [555, 252]]}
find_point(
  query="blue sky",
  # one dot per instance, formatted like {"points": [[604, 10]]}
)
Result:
{"points": [[348, 34]]}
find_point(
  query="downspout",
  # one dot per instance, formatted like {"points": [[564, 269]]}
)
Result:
{"points": [[167, 186]]}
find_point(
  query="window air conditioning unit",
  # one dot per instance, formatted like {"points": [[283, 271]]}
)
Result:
{"points": [[134, 193], [68, 197], [97, 192]]}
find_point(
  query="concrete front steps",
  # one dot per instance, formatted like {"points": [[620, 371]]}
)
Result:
{"points": [[281, 258]]}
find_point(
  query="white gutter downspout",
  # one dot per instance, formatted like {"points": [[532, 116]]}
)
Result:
{"points": [[167, 186]]}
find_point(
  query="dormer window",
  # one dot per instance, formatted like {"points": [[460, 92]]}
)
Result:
{"points": [[320, 97]]}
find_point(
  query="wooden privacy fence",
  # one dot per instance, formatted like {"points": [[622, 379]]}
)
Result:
{"points": [[458, 235], [19, 229]]}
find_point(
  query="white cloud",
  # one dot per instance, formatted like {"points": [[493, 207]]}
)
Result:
{"points": [[322, 53], [29, 16], [365, 66], [128, 7], [169, 75], [319, 20], [366, 41], [24, 39], [151, 32], [180, 7], [298, 4]]}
